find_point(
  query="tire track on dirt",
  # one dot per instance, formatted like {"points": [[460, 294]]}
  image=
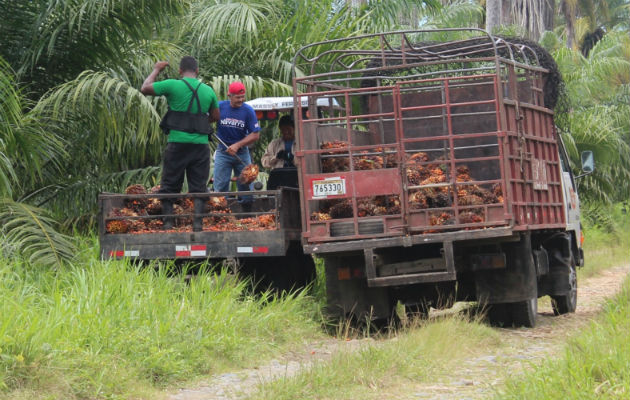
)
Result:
{"points": [[524, 347], [474, 378]]}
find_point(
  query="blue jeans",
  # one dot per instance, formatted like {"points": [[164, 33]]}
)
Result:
{"points": [[224, 165]]}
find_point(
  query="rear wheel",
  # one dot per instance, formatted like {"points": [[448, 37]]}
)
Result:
{"points": [[499, 315], [566, 303], [524, 312]]}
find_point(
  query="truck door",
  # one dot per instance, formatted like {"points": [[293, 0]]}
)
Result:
{"points": [[569, 190]]}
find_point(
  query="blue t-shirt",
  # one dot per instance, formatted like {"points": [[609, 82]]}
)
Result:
{"points": [[235, 123], [288, 147]]}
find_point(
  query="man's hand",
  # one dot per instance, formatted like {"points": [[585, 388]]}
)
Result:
{"points": [[160, 65], [282, 155], [147, 85], [233, 149]]}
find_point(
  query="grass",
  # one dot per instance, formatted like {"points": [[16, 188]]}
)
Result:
{"points": [[603, 249], [595, 365], [109, 330], [102, 329], [416, 355]]}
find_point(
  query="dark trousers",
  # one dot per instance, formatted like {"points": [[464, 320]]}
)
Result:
{"points": [[185, 158]]}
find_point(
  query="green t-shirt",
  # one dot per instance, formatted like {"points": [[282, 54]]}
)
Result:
{"points": [[178, 96]]}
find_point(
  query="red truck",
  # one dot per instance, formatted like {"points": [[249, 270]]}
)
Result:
{"points": [[438, 176]]}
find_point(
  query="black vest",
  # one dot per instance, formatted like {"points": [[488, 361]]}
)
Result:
{"points": [[187, 121]]}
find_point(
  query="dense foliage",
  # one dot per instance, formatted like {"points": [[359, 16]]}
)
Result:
{"points": [[73, 122]]}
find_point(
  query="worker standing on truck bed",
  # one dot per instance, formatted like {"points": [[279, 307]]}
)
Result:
{"points": [[238, 128], [280, 151], [192, 107]]}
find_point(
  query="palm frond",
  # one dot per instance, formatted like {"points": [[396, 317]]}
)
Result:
{"points": [[31, 232], [95, 29], [256, 86], [235, 21], [598, 215], [385, 15], [22, 134], [455, 14], [122, 118]]}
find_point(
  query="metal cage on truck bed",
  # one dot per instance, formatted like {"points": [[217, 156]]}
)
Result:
{"points": [[229, 231], [426, 138]]}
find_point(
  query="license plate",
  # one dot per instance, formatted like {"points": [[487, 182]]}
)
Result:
{"points": [[329, 187]]}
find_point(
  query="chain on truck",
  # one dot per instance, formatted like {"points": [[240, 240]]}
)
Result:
{"points": [[428, 171]]}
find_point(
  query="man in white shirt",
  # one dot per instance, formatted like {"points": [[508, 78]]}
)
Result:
{"points": [[280, 151]]}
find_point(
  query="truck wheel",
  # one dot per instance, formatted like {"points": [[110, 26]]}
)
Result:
{"points": [[499, 314], [524, 312], [566, 303]]}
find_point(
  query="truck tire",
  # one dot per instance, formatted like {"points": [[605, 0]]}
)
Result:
{"points": [[499, 314], [566, 303], [524, 312]]}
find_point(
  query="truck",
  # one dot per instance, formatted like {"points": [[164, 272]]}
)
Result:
{"points": [[428, 170], [262, 243], [440, 175]]}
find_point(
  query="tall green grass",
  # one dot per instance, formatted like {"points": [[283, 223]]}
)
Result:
{"points": [[605, 248], [595, 365], [110, 329]]}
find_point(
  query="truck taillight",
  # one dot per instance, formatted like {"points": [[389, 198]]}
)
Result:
{"points": [[581, 238]]}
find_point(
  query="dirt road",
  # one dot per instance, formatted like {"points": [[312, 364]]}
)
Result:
{"points": [[474, 379]]}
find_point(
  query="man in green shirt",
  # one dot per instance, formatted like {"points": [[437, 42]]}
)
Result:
{"points": [[193, 106]]}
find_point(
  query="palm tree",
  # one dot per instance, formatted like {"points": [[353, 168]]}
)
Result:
{"points": [[598, 114], [26, 150], [53, 42]]}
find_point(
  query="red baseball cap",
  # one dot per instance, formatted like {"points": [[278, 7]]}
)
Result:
{"points": [[236, 88]]}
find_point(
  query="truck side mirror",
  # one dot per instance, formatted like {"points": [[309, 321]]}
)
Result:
{"points": [[588, 163]]}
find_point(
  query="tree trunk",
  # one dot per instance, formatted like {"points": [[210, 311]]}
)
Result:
{"points": [[493, 15], [549, 11], [535, 16], [569, 11]]}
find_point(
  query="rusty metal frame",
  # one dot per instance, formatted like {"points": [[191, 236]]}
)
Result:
{"points": [[500, 57]]}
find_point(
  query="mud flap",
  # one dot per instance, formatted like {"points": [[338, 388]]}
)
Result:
{"points": [[346, 297], [516, 282]]}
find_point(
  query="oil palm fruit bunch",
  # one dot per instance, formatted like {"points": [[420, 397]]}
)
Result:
{"points": [[136, 204]]}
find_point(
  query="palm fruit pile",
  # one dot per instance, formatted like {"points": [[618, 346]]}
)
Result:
{"points": [[154, 206], [218, 207], [248, 174], [127, 219], [430, 188], [334, 161], [137, 215], [374, 159], [259, 223], [337, 161], [366, 207], [135, 204]]}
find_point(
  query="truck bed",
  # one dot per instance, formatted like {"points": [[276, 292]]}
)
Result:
{"points": [[421, 146], [225, 233]]}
